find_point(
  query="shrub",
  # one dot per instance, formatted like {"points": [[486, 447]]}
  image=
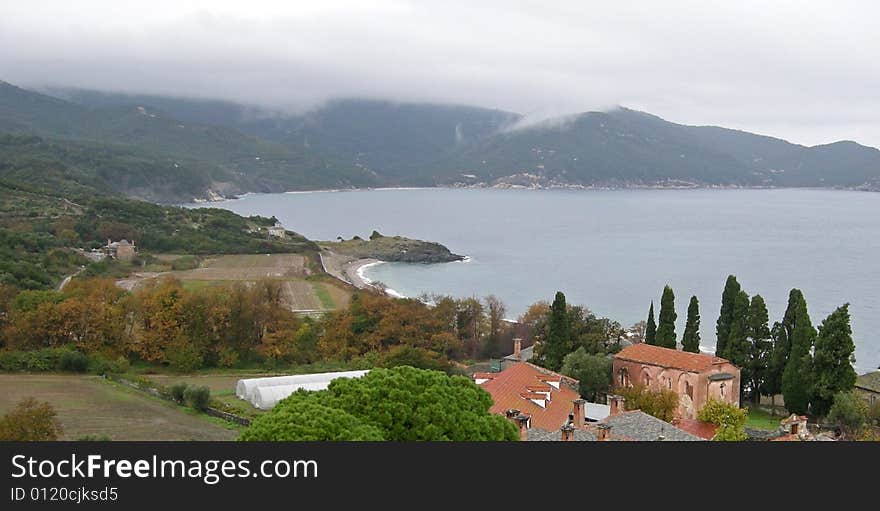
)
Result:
{"points": [[177, 391], [730, 418], [12, 361], [849, 412], [74, 361], [184, 357], [197, 397], [46, 359], [30, 421], [658, 403]]}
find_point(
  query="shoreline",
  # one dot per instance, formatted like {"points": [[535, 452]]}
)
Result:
{"points": [[195, 201]]}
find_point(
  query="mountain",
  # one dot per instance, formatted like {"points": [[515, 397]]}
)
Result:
{"points": [[423, 144], [228, 160], [368, 143]]}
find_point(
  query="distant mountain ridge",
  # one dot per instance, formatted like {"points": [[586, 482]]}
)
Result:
{"points": [[351, 143]]}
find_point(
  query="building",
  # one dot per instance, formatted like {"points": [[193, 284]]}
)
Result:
{"points": [[122, 250], [619, 426], [519, 354], [695, 377], [277, 231], [868, 386]]}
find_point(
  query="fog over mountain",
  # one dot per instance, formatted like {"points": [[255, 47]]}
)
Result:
{"points": [[803, 71]]}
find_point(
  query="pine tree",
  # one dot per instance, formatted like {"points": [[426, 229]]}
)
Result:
{"points": [[666, 325], [725, 318], [798, 373], [832, 365], [759, 346], [557, 343], [690, 341], [780, 335], [651, 327]]}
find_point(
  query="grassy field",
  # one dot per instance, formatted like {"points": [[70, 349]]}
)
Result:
{"points": [[90, 405], [301, 289], [759, 419]]}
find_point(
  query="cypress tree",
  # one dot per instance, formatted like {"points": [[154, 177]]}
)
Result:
{"points": [[759, 346], [798, 373], [725, 318], [780, 336], [737, 350], [556, 346], [651, 327], [666, 325], [690, 340], [832, 365]]}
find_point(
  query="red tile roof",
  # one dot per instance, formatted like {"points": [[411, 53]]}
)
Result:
{"points": [[701, 429], [508, 387], [667, 357]]}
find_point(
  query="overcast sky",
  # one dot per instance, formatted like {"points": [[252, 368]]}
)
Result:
{"points": [[802, 70]]}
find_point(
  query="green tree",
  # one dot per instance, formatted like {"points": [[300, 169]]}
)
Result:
{"points": [[651, 327], [666, 326], [690, 340], [760, 346], [307, 421], [403, 403], [30, 421], [780, 335], [557, 343], [738, 348], [797, 376], [730, 419], [725, 318], [592, 371], [660, 403], [849, 412], [833, 360]]}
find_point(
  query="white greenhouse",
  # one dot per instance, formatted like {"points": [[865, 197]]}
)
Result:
{"points": [[264, 393]]}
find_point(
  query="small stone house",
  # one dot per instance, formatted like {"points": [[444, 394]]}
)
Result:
{"points": [[122, 250], [695, 377], [868, 386]]}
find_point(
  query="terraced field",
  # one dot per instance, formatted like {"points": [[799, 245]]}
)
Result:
{"points": [[301, 292], [90, 405]]}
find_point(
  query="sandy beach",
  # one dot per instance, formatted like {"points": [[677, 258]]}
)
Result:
{"points": [[345, 268]]}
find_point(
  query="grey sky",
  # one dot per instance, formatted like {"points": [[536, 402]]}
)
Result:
{"points": [[802, 70]]}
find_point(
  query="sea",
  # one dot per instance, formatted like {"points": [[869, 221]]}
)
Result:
{"points": [[613, 251]]}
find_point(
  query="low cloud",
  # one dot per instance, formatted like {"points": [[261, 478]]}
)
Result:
{"points": [[801, 70]]}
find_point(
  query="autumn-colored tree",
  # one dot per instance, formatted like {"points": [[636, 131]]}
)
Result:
{"points": [[660, 403], [30, 421]]}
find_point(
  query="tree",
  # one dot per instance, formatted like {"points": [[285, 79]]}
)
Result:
{"points": [[737, 345], [849, 412], [690, 341], [557, 343], [592, 371], [30, 421], [309, 420], [760, 346], [798, 373], [725, 318], [780, 335], [496, 311], [730, 419], [403, 403], [658, 403], [651, 327], [833, 360], [666, 326]]}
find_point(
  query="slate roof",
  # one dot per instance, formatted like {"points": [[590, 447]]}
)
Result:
{"points": [[525, 355], [667, 357], [639, 426], [869, 381], [540, 435]]}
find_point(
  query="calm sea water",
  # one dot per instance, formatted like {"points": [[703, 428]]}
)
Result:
{"points": [[613, 251]]}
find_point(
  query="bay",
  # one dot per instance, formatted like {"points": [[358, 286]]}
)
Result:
{"points": [[614, 250]]}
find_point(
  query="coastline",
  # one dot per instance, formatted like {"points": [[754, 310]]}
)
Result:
{"points": [[203, 202]]}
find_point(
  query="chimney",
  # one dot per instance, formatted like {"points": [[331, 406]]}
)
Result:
{"points": [[511, 413], [567, 432], [578, 410], [517, 347], [616, 403], [522, 420], [603, 432]]}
